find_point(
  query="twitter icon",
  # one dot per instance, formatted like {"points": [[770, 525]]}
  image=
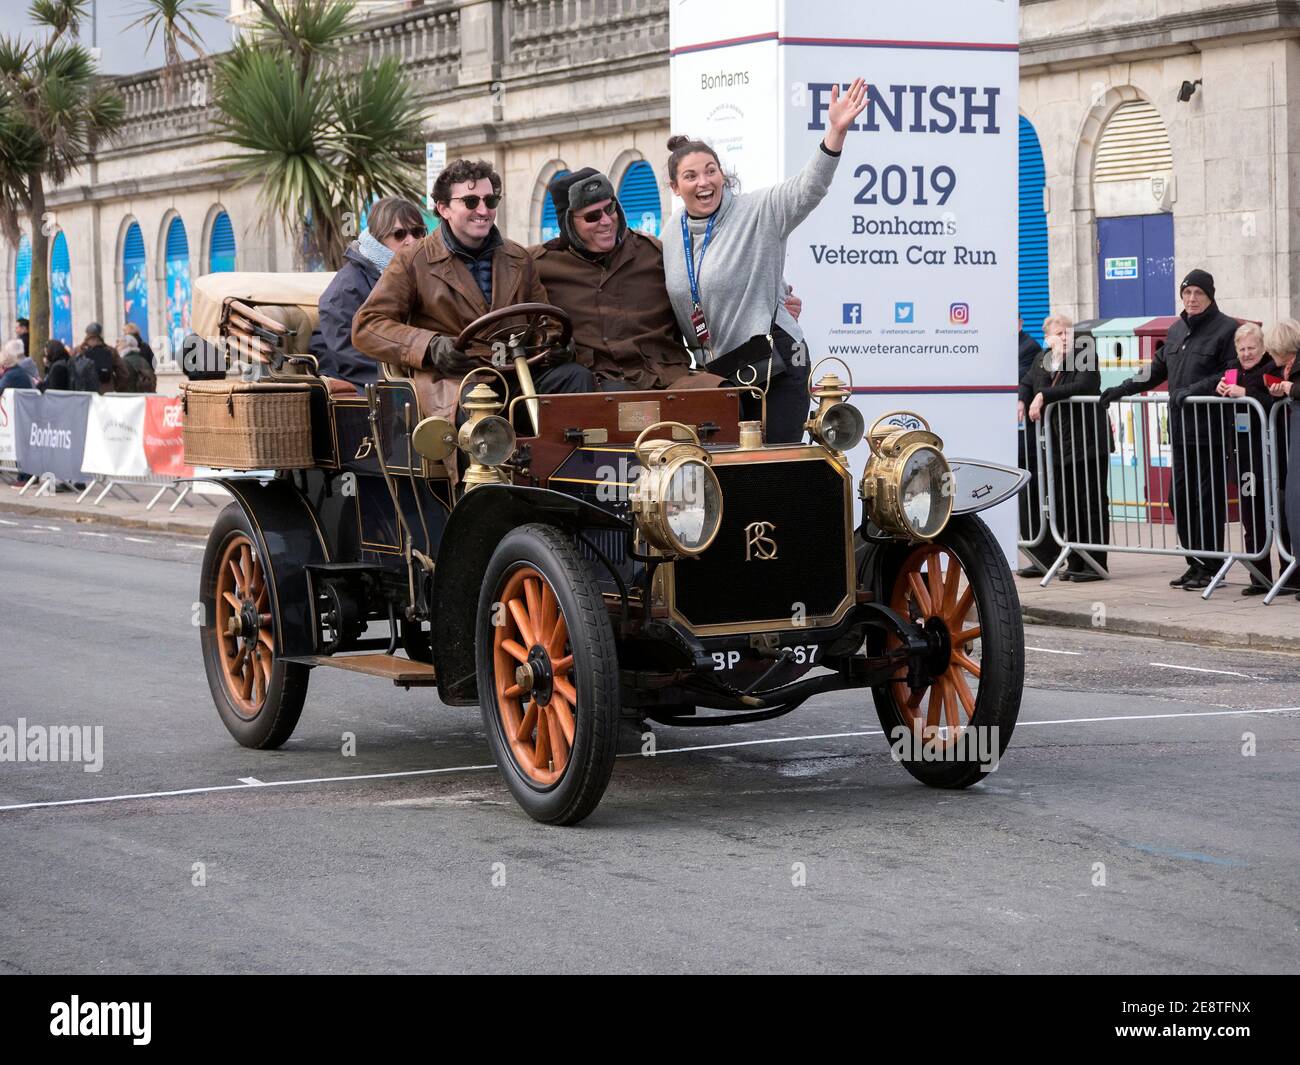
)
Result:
{"points": [[903, 313]]}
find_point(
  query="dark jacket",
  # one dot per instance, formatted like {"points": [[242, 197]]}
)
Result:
{"points": [[15, 377], [624, 328], [56, 375], [114, 375], [478, 261], [1253, 380], [1196, 353], [1029, 351], [146, 351], [331, 342], [1077, 428]]}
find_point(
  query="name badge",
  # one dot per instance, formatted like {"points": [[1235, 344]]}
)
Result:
{"points": [[700, 326]]}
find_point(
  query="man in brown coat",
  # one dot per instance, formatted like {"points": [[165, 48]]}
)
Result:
{"points": [[435, 288], [610, 281]]}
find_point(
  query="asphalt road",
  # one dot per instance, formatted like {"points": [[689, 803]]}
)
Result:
{"points": [[794, 845]]}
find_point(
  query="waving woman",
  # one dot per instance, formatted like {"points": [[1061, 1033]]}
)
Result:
{"points": [[724, 261]]}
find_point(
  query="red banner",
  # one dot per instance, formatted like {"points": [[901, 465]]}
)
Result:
{"points": [[163, 443]]}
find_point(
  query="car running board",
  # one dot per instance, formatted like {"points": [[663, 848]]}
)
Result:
{"points": [[399, 670]]}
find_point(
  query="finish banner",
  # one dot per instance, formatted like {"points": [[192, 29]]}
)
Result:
{"points": [[163, 444], [50, 432], [908, 267], [115, 437]]}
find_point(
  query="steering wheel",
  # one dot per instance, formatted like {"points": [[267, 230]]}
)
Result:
{"points": [[533, 329]]}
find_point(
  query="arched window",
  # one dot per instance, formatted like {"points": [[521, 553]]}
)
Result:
{"points": [[23, 277], [135, 281], [550, 222], [221, 246], [638, 192], [177, 258], [60, 290], [1034, 293]]}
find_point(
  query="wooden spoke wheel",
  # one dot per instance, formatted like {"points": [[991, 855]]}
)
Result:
{"points": [[533, 669], [244, 626], [960, 591], [547, 674], [933, 589], [258, 695]]}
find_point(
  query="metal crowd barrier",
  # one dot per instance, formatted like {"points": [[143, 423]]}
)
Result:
{"points": [[1197, 480], [1033, 500], [1279, 435]]}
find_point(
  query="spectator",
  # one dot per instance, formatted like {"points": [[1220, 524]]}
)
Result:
{"points": [[28, 365], [1282, 341], [57, 364], [1079, 441], [134, 330], [1029, 351], [392, 224], [141, 377], [11, 374], [1248, 382], [110, 373], [1197, 351], [24, 328]]}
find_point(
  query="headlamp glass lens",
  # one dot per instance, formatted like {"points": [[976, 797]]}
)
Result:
{"points": [[492, 441], [922, 494], [692, 505], [842, 427]]}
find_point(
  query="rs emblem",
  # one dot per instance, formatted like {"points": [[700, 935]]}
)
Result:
{"points": [[758, 544]]}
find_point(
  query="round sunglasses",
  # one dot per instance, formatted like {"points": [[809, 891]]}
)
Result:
{"points": [[608, 211], [400, 235]]}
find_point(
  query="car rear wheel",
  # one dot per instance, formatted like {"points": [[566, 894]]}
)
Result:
{"points": [[547, 675], [952, 729], [258, 695]]}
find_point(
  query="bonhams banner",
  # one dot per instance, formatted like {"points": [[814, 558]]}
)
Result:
{"points": [[163, 444], [50, 432], [7, 453], [115, 437], [908, 268]]}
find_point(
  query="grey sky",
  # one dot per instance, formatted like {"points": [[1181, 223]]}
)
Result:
{"points": [[123, 49]]}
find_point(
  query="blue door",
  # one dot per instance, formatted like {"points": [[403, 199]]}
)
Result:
{"points": [[1135, 266]]}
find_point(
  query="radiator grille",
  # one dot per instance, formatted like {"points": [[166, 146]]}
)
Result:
{"points": [[804, 502]]}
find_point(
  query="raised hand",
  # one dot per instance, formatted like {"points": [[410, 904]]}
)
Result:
{"points": [[843, 112]]}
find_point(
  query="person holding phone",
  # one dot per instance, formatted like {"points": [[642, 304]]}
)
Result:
{"points": [[724, 261]]}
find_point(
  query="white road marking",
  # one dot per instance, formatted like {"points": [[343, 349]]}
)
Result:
{"points": [[1049, 651], [249, 780], [48, 528], [1198, 669], [84, 532], [136, 540], [197, 547], [675, 750], [3, 522]]}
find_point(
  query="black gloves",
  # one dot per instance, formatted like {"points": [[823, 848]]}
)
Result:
{"points": [[444, 358], [558, 356], [1110, 395]]}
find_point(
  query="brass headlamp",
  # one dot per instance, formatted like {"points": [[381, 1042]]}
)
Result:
{"points": [[836, 423], [907, 485], [677, 499], [487, 439]]}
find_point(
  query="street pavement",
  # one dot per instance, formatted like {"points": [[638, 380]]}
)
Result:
{"points": [[1126, 829]]}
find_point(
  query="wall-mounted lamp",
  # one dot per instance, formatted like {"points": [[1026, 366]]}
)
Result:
{"points": [[1187, 90]]}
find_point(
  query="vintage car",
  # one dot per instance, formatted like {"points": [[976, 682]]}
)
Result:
{"points": [[567, 562]]}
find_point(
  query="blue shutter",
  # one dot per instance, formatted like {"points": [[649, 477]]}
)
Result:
{"points": [[177, 256], [23, 277], [60, 290], [1035, 299], [135, 281], [638, 192], [550, 223], [221, 246]]}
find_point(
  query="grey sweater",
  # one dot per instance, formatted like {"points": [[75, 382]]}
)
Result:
{"points": [[742, 277]]}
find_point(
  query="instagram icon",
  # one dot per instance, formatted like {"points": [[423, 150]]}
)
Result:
{"points": [[959, 313]]}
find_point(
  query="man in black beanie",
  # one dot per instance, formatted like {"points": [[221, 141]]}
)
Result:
{"points": [[1197, 351]]}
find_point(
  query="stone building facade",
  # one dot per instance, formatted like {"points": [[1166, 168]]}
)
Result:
{"points": [[543, 85]]}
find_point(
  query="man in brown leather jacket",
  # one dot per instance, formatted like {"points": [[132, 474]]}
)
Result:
{"points": [[435, 288]]}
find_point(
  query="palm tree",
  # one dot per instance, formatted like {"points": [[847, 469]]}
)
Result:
{"points": [[174, 19], [320, 138], [53, 111]]}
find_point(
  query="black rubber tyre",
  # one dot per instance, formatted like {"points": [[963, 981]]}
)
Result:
{"points": [[266, 716], [1001, 655], [546, 558]]}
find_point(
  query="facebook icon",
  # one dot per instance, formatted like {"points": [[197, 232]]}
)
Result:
{"points": [[852, 314]]}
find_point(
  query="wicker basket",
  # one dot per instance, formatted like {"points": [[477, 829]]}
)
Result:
{"points": [[238, 425]]}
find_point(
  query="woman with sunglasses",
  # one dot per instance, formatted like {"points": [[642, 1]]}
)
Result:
{"points": [[393, 224], [724, 261]]}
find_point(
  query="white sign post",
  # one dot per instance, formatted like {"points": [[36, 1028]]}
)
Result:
{"points": [[908, 268], [435, 162]]}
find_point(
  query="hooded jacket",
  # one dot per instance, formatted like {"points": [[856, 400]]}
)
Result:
{"points": [[331, 341]]}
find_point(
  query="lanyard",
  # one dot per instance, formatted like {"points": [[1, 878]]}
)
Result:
{"points": [[690, 253]]}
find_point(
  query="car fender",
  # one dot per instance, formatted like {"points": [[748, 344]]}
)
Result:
{"points": [[289, 539], [978, 484], [477, 524]]}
